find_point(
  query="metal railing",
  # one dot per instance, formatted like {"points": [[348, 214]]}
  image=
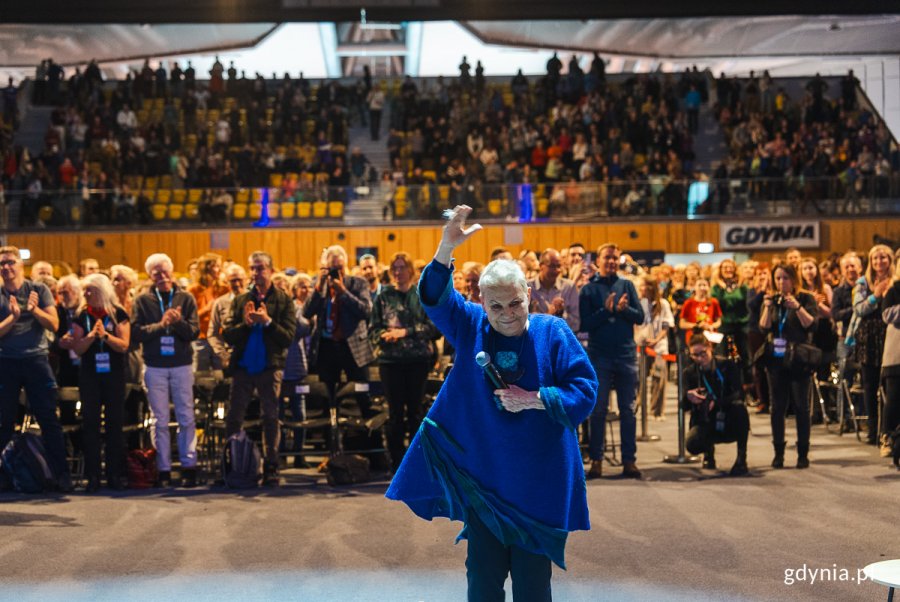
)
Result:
{"points": [[654, 197]]}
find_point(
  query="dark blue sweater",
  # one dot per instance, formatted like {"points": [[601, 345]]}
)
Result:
{"points": [[610, 334]]}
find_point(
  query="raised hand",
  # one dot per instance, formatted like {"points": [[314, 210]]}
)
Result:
{"points": [[32, 301], [249, 312], [455, 231], [623, 302]]}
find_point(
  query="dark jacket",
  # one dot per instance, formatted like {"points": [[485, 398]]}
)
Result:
{"points": [[353, 318], [724, 377], [146, 330], [277, 336], [610, 334]]}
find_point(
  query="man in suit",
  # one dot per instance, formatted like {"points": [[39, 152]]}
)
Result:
{"points": [[340, 341]]}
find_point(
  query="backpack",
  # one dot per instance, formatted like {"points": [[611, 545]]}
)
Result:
{"points": [[347, 470], [241, 462], [24, 465], [141, 467]]}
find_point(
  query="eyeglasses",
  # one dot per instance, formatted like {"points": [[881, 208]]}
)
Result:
{"points": [[258, 268], [7, 263], [698, 354]]}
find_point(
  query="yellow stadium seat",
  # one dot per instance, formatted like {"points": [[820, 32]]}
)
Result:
{"points": [[45, 213], [194, 195], [543, 206], [165, 181], [255, 211], [163, 196], [159, 212], [444, 192], [320, 209], [273, 210], [430, 175], [239, 211], [322, 178], [243, 195], [495, 207], [335, 209], [288, 210], [304, 210], [150, 183], [275, 180], [257, 195], [76, 214], [400, 194], [176, 212], [399, 207], [179, 195], [192, 211]]}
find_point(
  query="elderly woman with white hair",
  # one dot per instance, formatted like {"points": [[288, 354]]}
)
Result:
{"points": [[101, 334], [504, 461]]}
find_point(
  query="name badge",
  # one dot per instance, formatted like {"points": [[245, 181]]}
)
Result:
{"points": [[361, 387], [102, 362], [301, 389], [167, 345], [779, 347]]}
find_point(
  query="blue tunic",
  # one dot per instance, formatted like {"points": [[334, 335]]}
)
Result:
{"points": [[522, 472]]}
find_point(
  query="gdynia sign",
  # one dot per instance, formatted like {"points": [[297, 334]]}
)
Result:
{"points": [[768, 235]]}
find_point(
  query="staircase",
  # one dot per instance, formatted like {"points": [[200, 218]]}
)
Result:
{"points": [[33, 128], [370, 208], [709, 143]]}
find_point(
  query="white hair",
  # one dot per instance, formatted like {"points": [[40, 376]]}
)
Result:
{"points": [[104, 289], [158, 259], [126, 271], [502, 273], [334, 251], [70, 280]]}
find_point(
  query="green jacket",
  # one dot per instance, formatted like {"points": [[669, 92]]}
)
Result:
{"points": [[393, 308]]}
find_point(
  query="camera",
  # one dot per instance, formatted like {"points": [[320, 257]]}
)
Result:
{"points": [[334, 273], [778, 299]]}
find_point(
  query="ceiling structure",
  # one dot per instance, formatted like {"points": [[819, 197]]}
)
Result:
{"points": [[249, 11]]}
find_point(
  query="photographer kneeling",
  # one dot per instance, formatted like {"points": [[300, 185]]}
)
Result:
{"points": [[713, 389]]}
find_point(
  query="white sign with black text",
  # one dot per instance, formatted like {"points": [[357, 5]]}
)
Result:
{"points": [[735, 236]]}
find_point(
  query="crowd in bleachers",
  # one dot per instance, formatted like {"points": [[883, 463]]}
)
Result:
{"points": [[148, 322], [165, 145], [824, 144], [151, 137]]}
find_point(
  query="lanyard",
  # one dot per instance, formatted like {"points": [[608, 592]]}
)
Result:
{"points": [[784, 315], [87, 319], [162, 308], [709, 386]]}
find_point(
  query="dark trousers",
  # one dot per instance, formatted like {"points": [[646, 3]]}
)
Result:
{"points": [[620, 373], [789, 388], [267, 385], [374, 123], [296, 403], [335, 357], [892, 403], [35, 376], [104, 392], [404, 386], [871, 377], [755, 340], [703, 436], [489, 561]]}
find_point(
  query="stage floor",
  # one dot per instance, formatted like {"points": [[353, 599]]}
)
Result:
{"points": [[681, 533]]}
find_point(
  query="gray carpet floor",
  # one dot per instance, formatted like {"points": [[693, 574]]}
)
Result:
{"points": [[681, 533]]}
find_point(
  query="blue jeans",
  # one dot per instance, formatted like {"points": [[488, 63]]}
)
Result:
{"points": [[35, 375], [621, 374], [488, 562]]}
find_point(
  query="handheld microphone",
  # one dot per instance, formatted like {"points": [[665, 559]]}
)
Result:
{"points": [[483, 359]]}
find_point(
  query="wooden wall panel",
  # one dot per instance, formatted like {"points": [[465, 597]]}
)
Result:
{"points": [[301, 248]]}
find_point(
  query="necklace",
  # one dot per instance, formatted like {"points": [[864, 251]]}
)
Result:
{"points": [[509, 375]]}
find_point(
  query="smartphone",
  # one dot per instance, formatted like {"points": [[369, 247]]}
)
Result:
{"points": [[590, 259]]}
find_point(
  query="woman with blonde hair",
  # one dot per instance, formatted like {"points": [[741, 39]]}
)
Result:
{"points": [[101, 335], [824, 336], [123, 280], [731, 294], [658, 320], [867, 328]]}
